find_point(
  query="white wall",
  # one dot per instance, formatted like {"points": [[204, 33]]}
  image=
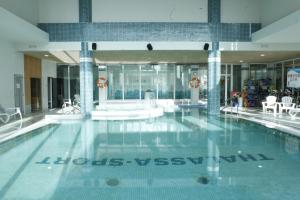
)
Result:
{"points": [[48, 70], [12, 62], [58, 11], [149, 11], [26, 9], [273, 10], [240, 11]]}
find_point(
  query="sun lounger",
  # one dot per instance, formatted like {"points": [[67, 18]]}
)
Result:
{"points": [[9, 113]]}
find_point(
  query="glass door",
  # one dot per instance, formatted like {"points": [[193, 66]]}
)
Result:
{"points": [[225, 84]]}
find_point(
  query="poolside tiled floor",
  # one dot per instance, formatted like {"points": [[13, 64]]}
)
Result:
{"points": [[283, 122]]}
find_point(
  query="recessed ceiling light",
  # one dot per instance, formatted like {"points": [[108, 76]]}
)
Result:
{"points": [[262, 55], [241, 61], [46, 55]]}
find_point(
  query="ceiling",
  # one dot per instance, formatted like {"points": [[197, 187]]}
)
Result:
{"points": [[104, 57], [16, 30], [285, 30]]}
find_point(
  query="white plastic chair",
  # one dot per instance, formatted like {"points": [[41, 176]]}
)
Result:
{"points": [[286, 104], [270, 103], [67, 103], [9, 113], [76, 101]]}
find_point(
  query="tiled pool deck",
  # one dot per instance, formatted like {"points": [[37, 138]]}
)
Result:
{"points": [[283, 122]]}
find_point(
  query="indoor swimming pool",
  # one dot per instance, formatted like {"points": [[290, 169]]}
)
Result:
{"points": [[182, 155]]}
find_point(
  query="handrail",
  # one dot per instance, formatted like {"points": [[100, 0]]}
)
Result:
{"points": [[226, 106]]}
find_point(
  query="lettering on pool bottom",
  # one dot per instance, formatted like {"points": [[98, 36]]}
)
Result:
{"points": [[162, 161]]}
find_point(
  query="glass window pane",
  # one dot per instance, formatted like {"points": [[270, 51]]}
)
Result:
{"points": [[132, 83], [185, 78], [115, 80], [74, 81], [258, 71], [165, 79], [148, 79], [203, 82], [278, 76], [62, 84], [287, 65], [179, 92], [237, 78]]}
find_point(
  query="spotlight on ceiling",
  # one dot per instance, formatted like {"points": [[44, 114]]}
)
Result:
{"points": [[149, 47]]}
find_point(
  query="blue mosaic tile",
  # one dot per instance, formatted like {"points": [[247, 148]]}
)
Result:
{"points": [[214, 11], [142, 31], [85, 10]]}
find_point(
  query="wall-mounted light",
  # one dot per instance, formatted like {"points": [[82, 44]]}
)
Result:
{"points": [[94, 46], [149, 47], [206, 47]]}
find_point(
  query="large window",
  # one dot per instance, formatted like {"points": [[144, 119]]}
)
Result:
{"points": [[166, 81]]}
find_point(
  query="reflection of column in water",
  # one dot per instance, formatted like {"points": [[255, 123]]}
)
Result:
{"points": [[194, 96], [87, 139], [291, 145], [195, 113], [213, 152]]}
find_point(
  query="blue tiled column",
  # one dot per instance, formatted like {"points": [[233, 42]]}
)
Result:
{"points": [[85, 11], [86, 61], [214, 75], [214, 11], [214, 58], [86, 79]]}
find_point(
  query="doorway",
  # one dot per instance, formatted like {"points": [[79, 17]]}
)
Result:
{"points": [[18, 91], [226, 83], [52, 93], [36, 97]]}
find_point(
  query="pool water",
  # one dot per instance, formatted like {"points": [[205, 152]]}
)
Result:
{"points": [[184, 155]]}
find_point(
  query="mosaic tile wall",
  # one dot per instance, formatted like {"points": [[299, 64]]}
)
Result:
{"points": [[150, 31]]}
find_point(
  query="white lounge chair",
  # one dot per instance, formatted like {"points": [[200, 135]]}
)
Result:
{"points": [[71, 108], [9, 113], [294, 111], [76, 102], [270, 103], [286, 104]]}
